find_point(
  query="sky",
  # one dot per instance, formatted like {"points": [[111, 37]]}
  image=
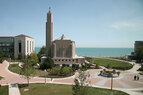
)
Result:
{"points": [[90, 23]]}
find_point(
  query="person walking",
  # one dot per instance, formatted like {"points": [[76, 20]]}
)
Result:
{"points": [[135, 77]]}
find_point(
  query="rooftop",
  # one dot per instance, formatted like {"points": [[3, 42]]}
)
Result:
{"points": [[63, 38], [22, 35]]}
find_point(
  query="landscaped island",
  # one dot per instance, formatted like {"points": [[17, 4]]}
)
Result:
{"points": [[58, 89], [111, 63]]}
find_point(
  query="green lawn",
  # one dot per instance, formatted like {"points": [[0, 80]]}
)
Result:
{"points": [[4, 90], [113, 63], [14, 68], [58, 89]]}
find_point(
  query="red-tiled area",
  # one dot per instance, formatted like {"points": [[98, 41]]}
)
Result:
{"points": [[95, 80], [69, 80], [115, 84], [132, 83]]}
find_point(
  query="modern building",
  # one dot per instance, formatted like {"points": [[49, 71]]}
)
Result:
{"points": [[61, 50], [138, 44], [7, 46], [133, 54], [20, 45]]}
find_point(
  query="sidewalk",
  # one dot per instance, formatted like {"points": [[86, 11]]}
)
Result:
{"points": [[13, 89]]}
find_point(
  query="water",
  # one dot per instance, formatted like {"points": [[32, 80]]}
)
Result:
{"points": [[100, 52]]}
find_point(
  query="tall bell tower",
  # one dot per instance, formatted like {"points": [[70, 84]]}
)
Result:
{"points": [[49, 32]]}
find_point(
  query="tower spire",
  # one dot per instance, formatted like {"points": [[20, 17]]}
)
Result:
{"points": [[49, 31]]}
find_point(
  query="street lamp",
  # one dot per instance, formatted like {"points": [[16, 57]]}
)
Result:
{"points": [[45, 75], [111, 81]]}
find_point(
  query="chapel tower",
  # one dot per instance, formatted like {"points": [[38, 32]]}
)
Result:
{"points": [[49, 32]]}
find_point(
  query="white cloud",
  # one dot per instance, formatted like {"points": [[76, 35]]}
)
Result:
{"points": [[123, 25]]}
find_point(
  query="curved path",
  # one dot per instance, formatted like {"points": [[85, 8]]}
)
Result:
{"points": [[125, 82]]}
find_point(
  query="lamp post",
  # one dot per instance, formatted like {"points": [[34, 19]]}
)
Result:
{"points": [[111, 81], [45, 75]]}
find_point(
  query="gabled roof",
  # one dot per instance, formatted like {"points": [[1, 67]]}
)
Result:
{"points": [[63, 38], [22, 35]]}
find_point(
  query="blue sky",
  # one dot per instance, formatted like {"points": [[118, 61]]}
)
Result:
{"points": [[90, 23]]}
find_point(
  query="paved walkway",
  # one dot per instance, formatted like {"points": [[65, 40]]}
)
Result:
{"points": [[13, 89], [125, 82]]}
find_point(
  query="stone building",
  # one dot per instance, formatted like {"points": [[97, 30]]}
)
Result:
{"points": [[19, 45], [61, 50]]}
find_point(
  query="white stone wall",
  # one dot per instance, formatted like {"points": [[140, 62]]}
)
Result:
{"points": [[16, 46], [29, 48], [25, 50]]}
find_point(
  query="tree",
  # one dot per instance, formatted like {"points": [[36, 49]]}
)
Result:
{"points": [[27, 70], [1, 56], [55, 70], [66, 70], [139, 53], [33, 58], [47, 64], [42, 52], [81, 83]]}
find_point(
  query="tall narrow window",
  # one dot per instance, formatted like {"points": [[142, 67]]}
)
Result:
{"points": [[30, 46], [27, 45], [19, 44]]}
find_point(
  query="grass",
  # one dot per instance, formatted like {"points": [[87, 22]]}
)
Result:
{"points": [[4, 90], [1, 77], [14, 68], [58, 89], [113, 63]]}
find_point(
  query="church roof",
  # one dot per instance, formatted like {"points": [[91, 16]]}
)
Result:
{"points": [[63, 38], [22, 35]]}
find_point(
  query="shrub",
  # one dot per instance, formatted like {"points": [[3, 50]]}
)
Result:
{"points": [[108, 66], [47, 64], [97, 66], [66, 70], [55, 70]]}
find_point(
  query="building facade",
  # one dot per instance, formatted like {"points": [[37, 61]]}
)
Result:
{"points": [[61, 50], [7, 46], [20, 45], [138, 44]]}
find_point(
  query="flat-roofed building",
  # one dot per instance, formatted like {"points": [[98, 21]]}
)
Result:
{"points": [[7, 46], [138, 44], [16, 46]]}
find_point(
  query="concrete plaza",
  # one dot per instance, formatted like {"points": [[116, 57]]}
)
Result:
{"points": [[125, 82]]}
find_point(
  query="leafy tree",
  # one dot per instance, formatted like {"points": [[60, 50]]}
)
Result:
{"points": [[1, 56], [97, 66], [33, 58], [66, 70], [27, 70], [48, 63], [55, 70], [139, 53], [42, 52], [81, 83], [76, 87]]}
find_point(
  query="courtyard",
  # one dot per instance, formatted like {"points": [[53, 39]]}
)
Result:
{"points": [[125, 82]]}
